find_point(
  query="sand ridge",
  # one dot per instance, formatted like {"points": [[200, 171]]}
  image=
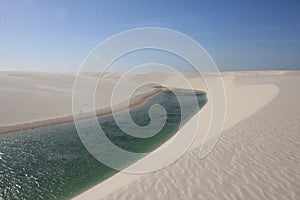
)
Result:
{"points": [[255, 158], [27, 96]]}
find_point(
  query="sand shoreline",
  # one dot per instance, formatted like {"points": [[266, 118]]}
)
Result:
{"points": [[134, 101], [255, 158], [116, 186]]}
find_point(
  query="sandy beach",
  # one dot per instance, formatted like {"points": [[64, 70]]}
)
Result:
{"points": [[256, 157]]}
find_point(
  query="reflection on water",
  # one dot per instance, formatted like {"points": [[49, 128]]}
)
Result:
{"points": [[52, 163]]}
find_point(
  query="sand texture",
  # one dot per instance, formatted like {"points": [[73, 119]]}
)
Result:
{"points": [[256, 157], [38, 99]]}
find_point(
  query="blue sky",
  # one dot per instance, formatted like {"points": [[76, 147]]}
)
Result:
{"points": [[239, 35]]}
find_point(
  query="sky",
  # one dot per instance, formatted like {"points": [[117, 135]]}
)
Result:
{"points": [[238, 35]]}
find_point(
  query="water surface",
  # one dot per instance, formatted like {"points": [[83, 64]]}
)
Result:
{"points": [[52, 163]]}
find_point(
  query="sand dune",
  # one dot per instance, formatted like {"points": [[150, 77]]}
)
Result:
{"points": [[257, 156], [36, 99]]}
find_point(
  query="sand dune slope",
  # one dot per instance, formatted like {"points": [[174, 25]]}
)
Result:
{"points": [[256, 159], [28, 97], [257, 156]]}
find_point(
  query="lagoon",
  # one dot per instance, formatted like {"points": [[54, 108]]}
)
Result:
{"points": [[52, 163]]}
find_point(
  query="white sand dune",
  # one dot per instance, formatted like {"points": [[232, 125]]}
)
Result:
{"points": [[34, 99], [256, 157]]}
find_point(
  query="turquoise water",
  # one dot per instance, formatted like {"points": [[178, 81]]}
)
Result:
{"points": [[52, 163]]}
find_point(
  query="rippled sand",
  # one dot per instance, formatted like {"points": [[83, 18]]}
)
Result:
{"points": [[257, 156]]}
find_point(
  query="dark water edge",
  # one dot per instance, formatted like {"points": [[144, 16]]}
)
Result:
{"points": [[52, 163]]}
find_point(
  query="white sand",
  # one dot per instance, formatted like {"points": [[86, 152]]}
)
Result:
{"points": [[34, 99], [257, 156]]}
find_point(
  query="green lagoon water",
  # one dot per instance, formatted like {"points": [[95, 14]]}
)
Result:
{"points": [[52, 163]]}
